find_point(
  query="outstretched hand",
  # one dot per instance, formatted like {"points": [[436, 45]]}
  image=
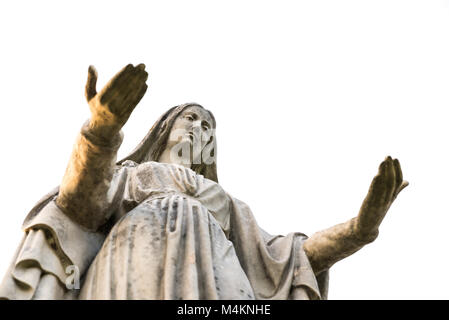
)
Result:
{"points": [[384, 189], [113, 105], [329, 246]]}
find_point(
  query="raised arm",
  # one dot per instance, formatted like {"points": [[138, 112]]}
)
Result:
{"points": [[83, 191], [329, 246]]}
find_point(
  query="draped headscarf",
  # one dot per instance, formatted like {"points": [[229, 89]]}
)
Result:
{"points": [[154, 143]]}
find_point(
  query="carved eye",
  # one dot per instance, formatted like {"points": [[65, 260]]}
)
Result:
{"points": [[189, 117], [205, 125]]}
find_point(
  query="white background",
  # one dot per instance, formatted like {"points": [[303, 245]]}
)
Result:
{"points": [[309, 97]]}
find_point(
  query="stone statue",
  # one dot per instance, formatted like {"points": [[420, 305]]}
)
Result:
{"points": [[157, 225]]}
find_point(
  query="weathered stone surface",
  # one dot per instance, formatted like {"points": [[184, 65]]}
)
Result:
{"points": [[157, 225]]}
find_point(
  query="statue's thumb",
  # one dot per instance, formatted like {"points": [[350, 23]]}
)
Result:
{"points": [[91, 83], [401, 187]]}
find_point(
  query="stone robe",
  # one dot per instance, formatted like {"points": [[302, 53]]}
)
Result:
{"points": [[172, 234]]}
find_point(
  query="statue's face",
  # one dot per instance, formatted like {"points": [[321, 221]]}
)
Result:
{"points": [[193, 129]]}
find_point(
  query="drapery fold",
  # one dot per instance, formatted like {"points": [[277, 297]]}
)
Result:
{"points": [[174, 235]]}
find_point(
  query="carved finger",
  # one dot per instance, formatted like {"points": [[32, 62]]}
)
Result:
{"points": [[380, 191], [121, 84], [400, 183], [135, 86], [397, 167], [110, 89], [398, 172], [141, 93], [125, 100], [390, 186], [125, 87], [135, 101], [91, 84]]}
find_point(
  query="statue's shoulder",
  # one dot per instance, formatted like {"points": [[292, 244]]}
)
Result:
{"points": [[132, 165], [148, 167], [128, 164]]}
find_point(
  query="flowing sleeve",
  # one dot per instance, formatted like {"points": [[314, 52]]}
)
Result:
{"points": [[58, 246], [277, 266]]}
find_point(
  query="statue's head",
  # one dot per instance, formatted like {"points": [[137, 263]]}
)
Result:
{"points": [[185, 135]]}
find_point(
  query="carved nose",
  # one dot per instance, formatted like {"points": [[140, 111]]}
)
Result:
{"points": [[196, 126]]}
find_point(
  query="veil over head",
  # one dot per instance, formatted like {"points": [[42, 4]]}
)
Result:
{"points": [[154, 143]]}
